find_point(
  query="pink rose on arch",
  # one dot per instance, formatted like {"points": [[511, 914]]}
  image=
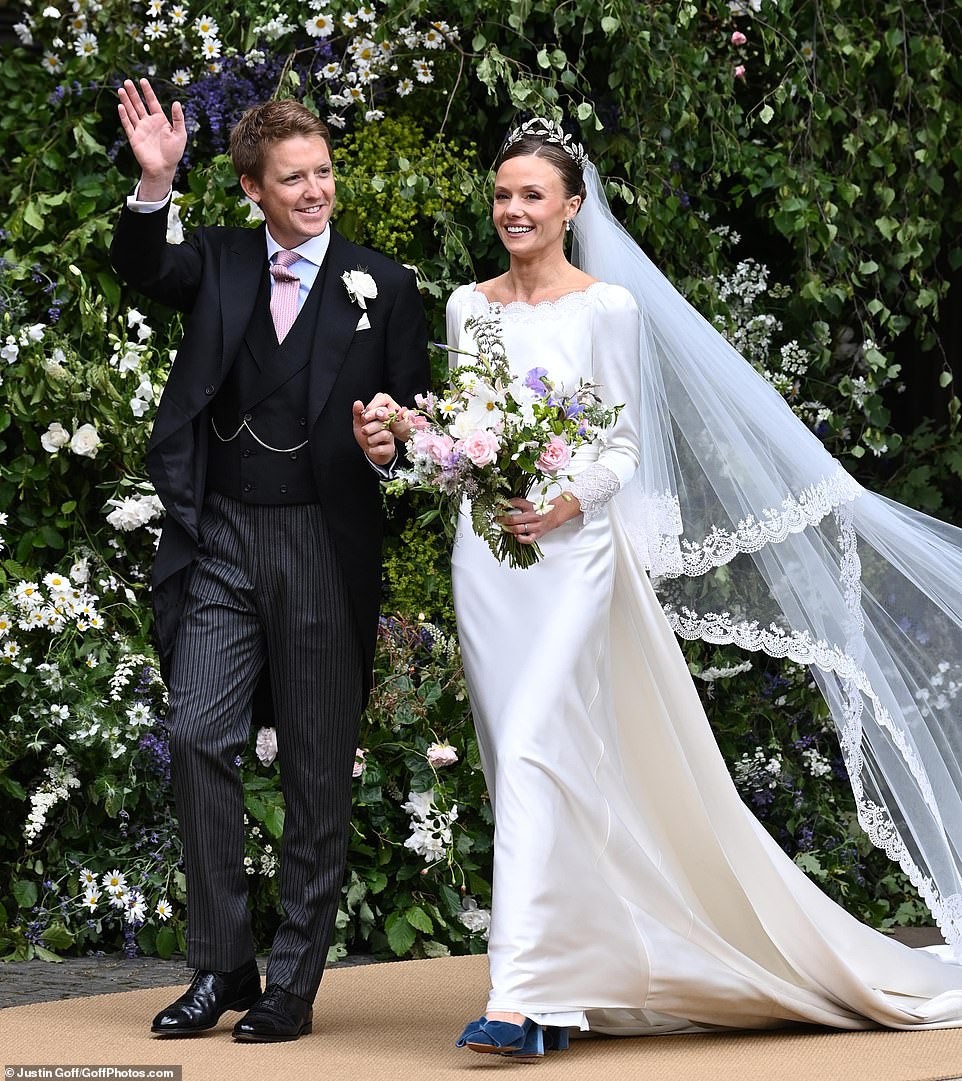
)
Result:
{"points": [[738, 38], [480, 446], [436, 447], [441, 754], [359, 755], [740, 71], [556, 455]]}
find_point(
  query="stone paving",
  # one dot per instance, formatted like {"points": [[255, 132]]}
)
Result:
{"points": [[22, 982]]}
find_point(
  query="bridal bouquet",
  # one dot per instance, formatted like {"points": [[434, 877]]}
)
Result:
{"points": [[494, 436]]}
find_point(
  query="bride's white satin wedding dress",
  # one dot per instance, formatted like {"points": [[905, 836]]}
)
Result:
{"points": [[633, 890]]}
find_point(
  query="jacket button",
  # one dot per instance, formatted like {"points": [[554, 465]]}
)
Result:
{"points": [[293, 455], [248, 487], [248, 416], [246, 454], [303, 422], [283, 489], [209, 389]]}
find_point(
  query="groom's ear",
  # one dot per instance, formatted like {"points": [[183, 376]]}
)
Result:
{"points": [[250, 187]]}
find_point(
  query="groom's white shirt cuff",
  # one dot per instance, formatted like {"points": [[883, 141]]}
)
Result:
{"points": [[145, 206], [385, 472]]}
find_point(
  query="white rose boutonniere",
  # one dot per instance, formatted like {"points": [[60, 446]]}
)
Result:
{"points": [[361, 287]]}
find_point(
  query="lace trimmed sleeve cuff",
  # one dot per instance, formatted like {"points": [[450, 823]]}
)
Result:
{"points": [[593, 488]]}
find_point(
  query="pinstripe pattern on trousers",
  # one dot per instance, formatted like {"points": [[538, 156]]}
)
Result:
{"points": [[266, 590]]}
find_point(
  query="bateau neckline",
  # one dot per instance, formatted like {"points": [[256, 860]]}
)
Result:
{"points": [[540, 304]]}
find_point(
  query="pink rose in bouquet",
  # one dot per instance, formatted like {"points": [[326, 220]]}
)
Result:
{"points": [[437, 447], [555, 456], [481, 447]]}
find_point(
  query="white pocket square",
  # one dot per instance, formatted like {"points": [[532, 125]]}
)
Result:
{"points": [[363, 323]]}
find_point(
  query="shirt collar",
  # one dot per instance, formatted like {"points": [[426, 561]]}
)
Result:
{"points": [[313, 250]]}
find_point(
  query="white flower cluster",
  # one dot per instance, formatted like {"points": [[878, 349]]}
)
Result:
{"points": [[60, 779], [944, 687], [818, 765], [127, 900], [128, 356], [367, 59], [67, 31], [744, 7], [752, 333], [756, 771], [124, 671], [60, 602], [192, 47], [430, 827], [116, 733], [28, 335], [477, 920], [134, 511], [266, 864], [710, 675], [84, 442]]}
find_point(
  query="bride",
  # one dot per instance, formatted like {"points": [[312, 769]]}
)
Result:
{"points": [[633, 891]]}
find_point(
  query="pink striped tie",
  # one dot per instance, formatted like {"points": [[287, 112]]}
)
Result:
{"points": [[284, 294]]}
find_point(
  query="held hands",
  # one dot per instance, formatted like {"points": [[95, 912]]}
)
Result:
{"points": [[529, 526], [397, 418], [158, 143], [373, 436]]}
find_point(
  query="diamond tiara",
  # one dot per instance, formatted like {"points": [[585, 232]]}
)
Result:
{"points": [[548, 132]]}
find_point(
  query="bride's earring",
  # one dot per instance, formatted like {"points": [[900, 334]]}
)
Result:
{"points": [[567, 225]]}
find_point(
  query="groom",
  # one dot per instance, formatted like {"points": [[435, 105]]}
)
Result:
{"points": [[267, 575]]}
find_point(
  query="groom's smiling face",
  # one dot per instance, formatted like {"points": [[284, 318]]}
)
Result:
{"points": [[296, 190]]}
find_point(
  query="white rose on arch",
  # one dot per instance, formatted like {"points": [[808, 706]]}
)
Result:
{"points": [[266, 745], [55, 438], [85, 441], [361, 287]]}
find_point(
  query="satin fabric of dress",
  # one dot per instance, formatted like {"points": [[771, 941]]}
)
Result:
{"points": [[633, 890]]}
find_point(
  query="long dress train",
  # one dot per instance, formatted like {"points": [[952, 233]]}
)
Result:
{"points": [[633, 890]]}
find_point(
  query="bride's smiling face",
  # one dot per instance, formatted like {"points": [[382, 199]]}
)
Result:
{"points": [[530, 206]]}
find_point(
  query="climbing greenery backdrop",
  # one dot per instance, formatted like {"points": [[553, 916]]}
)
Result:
{"points": [[793, 165]]}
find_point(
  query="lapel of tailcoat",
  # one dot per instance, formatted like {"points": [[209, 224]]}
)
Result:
{"points": [[336, 323]]}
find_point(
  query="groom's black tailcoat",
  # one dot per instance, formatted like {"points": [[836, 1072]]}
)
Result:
{"points": [[214, 277], [246, 588]]}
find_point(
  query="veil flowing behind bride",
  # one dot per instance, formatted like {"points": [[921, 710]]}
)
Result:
{"points": [[818, 569]]}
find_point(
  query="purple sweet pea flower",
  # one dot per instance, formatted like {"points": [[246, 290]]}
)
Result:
{"points": [[533, 381]]}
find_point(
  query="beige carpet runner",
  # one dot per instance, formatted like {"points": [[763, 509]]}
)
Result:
{"points": [[398, 1022]]}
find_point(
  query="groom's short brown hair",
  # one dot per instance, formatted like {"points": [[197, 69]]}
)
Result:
{"points": [[268, 123]]}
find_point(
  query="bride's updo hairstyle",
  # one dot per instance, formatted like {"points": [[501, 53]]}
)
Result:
{"points": [[544, 139]]}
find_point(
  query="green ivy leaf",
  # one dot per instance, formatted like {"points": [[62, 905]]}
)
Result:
{"points": [[400, 934], [24, 893], [165, 942], [418, 918]]}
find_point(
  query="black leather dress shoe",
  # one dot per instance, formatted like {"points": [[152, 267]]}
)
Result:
{"points": [[210, 994], [277, 1016]]}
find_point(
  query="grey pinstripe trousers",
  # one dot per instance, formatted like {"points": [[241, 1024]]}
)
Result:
{"points": [[266, 590]]}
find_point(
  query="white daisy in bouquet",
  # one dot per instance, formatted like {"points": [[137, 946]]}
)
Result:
{"points": [[493, 436]]}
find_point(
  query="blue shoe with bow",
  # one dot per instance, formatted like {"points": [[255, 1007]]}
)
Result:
{"points": [[526, 1041]]}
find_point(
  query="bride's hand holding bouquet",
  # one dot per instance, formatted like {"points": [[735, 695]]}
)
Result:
{"points": [[501, 442]]}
